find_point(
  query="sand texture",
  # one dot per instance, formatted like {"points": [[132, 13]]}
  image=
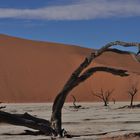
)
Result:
{"points": [[34, 71]]}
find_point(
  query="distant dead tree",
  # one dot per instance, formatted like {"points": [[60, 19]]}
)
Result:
{"points": [[82, 73], [132, 92], [74, 103], [103, 95]]}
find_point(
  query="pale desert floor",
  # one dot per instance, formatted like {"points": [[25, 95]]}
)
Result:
{"points": [[91, 123]]}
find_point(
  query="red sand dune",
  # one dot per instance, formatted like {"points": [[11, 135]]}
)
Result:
{"points": [[35, 71]]}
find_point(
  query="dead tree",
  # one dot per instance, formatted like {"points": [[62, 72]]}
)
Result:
{"points": [[74, 103], [103, 95], [54, 126], [132, 92]]}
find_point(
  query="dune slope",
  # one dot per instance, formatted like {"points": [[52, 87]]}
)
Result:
{"points": [[35, 71]]}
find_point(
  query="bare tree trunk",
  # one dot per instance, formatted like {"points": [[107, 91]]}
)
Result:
{"points": [[131, 103], [60, 99], [76, 78], [105, 103]]}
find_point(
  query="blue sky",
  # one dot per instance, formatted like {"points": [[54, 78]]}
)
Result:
{"points": [[87, 23]]}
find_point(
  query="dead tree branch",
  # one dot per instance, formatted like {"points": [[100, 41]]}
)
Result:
{"points": [[27, 120]]}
